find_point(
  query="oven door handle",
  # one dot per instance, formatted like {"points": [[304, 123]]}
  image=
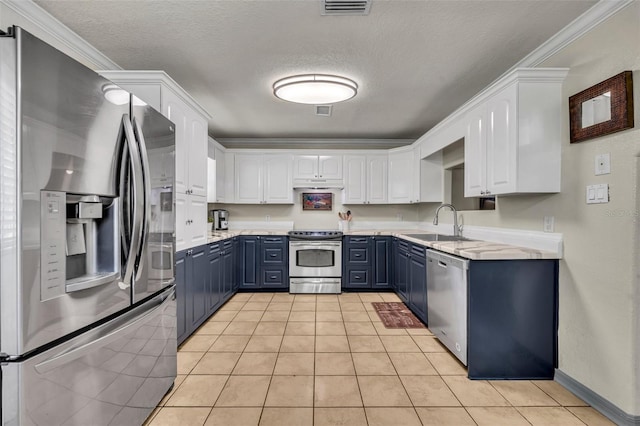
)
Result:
{"points": [[307, 246]]}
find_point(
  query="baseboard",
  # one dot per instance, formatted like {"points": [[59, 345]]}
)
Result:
{"points": [[599, 403]]}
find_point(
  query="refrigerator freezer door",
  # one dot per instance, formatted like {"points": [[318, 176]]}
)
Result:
{"points": [[68, 141], [115, 374], [156, 137]]}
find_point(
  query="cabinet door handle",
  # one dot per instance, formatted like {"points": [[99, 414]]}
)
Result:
{"points": [[357, 277], [273, 277], [273, 255], [488, 192], [358, 255], [482, 192]]}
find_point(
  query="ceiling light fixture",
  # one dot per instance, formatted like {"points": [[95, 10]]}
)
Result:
{"points": [[119, 96], [315, 89]]}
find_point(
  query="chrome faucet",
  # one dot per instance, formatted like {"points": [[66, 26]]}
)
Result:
{"points": [[456, 228]]}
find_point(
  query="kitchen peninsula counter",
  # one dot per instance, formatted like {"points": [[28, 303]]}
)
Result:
{"points": [[473, 249], [224, 235]]}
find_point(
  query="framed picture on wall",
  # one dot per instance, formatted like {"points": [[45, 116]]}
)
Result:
{"points": [[602, 109], [317, 201]]}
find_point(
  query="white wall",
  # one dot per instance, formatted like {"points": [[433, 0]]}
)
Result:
{"points": [[319, 219], [599, 299]]}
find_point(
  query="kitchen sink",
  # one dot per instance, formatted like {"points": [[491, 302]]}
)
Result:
{"points": [[437, 237]]}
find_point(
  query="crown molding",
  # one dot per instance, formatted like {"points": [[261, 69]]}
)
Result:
{"points": [[584, 23], [154, 77], [44, 21], [311, 143]]}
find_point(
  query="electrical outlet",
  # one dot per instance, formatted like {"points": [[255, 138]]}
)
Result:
{"points": [[603, 164], [267, 218], [548, 224], [399, 217]]}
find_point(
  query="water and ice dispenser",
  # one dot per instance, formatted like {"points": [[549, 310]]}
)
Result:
{"points": [[80, 242]]}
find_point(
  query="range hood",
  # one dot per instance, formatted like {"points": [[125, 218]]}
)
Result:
{"points": [[318, 184]]}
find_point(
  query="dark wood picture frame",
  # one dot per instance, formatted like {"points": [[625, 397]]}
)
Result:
{"points": [[620, 88], [317, 201]]}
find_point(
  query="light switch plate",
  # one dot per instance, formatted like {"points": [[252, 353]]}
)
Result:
{"points": [[603, 164], [597, 194]]}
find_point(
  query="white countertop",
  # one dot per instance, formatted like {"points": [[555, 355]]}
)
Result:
{"points": [[474, 250]]}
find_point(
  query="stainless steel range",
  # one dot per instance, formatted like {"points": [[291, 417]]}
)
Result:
{"points": [[315, 261]]}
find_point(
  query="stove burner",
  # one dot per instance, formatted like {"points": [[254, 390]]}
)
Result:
{"points": [[315, 235]]}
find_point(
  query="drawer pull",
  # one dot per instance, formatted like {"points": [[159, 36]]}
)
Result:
{"points": [[273, 277], [273, 255]]}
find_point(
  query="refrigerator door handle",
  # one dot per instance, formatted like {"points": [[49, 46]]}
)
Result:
{"points": [[146, 215], [102, 336], [138, 199]]}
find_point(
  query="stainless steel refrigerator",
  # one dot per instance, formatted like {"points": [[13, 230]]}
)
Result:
{"points": [[87, 300]]}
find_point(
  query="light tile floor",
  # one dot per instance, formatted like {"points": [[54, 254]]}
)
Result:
{"points": [[281, 359]]}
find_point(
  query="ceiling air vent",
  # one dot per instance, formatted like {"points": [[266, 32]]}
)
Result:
{"points": [[346, 7], [324, 110]]}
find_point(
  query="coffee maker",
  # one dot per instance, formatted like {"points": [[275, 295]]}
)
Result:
{"points": [[220, 220]]}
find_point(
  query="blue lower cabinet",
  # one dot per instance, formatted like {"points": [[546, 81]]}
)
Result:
{"points": [[401, 268], [410, 276], [382, 263], [205, 278], [198, 287], [228, 274], [263, 263], [181, 295], [249, 263], [513, 319], [215, 272], [235, 268], [417, 294], [366, 263]]}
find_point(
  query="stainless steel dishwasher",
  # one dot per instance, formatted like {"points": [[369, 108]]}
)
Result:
{"points": [[447, 301]]}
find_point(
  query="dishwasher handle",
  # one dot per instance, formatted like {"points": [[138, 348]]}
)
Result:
{"points": [[446, 260]]}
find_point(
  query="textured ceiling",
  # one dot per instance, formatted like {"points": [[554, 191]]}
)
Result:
{"points": [[415, 61]]}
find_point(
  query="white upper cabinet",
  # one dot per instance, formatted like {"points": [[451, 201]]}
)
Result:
{"points": [[277, 179], [197, 171], [318, 169], [305, 167], [191, 221], [365, 179], [191, 145], [377, 179], [212, 196], [263, 179], [403, 180], [513, 136], [475, 142], [330, 166], [355, 179], [220, 176]]}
